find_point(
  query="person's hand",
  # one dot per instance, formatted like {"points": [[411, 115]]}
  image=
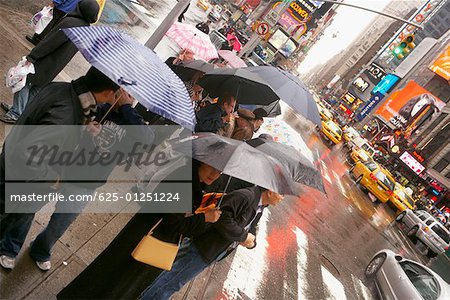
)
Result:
{"points": [[93, 128], [125, 98], [249, 242], [212, 215], [227, 118]]}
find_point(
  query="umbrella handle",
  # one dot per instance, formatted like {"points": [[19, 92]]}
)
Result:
{"points": [[112, 106], [224, 191]]}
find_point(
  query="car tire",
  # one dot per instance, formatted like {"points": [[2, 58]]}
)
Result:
{"points": [[431, 253], [375, 265], [400, 217], [412, 234]]}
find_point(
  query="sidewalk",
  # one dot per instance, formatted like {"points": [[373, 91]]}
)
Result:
{"points": [[90, 234]]}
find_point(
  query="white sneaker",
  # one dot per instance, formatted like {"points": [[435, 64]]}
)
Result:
{"points": [[44, 265], [7, 262]]}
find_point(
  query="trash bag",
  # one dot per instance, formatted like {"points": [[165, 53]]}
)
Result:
{"points": [[17, 76], [41, 19]]}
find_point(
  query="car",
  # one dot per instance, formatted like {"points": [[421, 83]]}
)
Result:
{"points": [[401, 199], [397, 277], [361, 143], [356, 155], [203, 4], [324, 113], [331, 132], [350, 133], [215, 14], [379, 183], [363, 168], [420, 225]]}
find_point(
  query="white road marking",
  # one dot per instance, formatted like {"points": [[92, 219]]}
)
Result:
{"points": [[324, 171], [248, 266], [341, 187], [302, 264], [361, 290], [334, 287]]}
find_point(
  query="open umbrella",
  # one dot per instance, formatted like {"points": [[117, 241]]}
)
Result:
{"points": [[247, 87], [232, 59], [137, 69], [199, 65], [237, 159], [291, 90], [299, 166], [189, 37]]}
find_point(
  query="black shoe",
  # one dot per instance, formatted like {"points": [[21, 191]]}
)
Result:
{"points": [[32, 40], [5, 106], [7, 119]]}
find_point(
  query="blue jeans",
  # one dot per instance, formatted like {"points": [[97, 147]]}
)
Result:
{"points": [[15, 227], [21, 99], [187, 265]]}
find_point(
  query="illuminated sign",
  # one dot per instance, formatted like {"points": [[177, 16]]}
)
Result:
{"points": [[386, 84], [412, 163], [442, 65], [360, 84], [349, 98], [418, 156], [373, 101], [376, 71]]}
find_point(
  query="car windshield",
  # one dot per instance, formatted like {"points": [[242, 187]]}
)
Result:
{"points": [[371, 165], [334, 127], [441, 232], [363, 155], [385, 180], [368, 149], [352, 131], [405, 196], [424, 282]]}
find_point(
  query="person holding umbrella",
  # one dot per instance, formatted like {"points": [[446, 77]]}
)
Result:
{"points": [[216, 116]]}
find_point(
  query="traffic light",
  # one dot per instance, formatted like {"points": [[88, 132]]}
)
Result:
{"points": [[405, 46]]}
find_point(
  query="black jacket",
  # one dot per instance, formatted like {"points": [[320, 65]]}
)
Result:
{"points": [[209, 118], [203, 27], [55, 51], [238, 209]]}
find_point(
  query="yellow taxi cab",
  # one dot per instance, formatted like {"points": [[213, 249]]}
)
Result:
{"points": [[203, 4], [400, 198], [363, 168], [331, 131], [325, 114], [379, 183], [357, 155], [350, 133]]}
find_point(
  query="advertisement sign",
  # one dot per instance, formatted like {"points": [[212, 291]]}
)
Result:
{"points": [[376, 72], [349, 98], [333, 81], [373, 101], [360, 84], [442, 64], [278, 38], [410, 107], [412, 163], [386, 84]]}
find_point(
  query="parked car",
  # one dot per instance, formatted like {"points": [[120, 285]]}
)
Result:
{"points": [[399, 278], [401, 199], [331, 132], [379, 183], [420, 225]]}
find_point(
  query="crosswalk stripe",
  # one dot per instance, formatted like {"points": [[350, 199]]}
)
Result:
{"points": [[324, 171], [302, 261], [362, 291], [341, 187], [334, 287]]}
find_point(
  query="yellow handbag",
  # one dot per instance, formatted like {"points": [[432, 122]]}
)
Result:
{"points": [[154, 252]]}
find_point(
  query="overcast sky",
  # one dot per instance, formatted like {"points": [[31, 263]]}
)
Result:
{"points": [[348, 24]]}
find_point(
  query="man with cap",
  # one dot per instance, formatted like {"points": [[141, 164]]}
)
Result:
{"points": [[259, 113]]}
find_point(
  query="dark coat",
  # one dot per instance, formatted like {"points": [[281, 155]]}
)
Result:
{"points": [[203, 27], [55, 51], [238, 209], [209, 118]]}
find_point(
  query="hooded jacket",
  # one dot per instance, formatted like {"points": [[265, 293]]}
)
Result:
{"points": [[55, 51]]}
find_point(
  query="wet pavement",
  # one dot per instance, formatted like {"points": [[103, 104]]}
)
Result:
{"points": [[312, 247]]}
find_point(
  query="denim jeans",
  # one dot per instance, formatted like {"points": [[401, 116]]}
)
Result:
{"points": [[187, 265], [21, 99], [15, 227]]}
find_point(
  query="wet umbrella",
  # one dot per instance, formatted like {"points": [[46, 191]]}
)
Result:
{"points": [[299, 167], [246, 86], [189, 37], [137, 69], [237, 159], [273, 109], [233, 60], [291, 90], [199, 65]]}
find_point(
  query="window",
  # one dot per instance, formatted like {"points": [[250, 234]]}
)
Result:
{"points": [[385, 180], [448, 175], [425, 284], [442, 164], [441, 232], [429, 222], [423, 217], [371, 165]]}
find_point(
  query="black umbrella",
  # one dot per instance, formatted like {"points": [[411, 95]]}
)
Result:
{"points": [[247, 87], [199, 65], [299, 167], [237, 159], [291, 90]]}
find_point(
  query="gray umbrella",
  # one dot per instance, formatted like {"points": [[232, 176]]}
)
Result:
{"points": [[291, 90], [199, 65]]}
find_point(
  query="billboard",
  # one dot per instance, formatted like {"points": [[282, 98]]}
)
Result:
{"points": [[412, 163], [373, 101], [386, 84], [409, 108], [442, 64]]}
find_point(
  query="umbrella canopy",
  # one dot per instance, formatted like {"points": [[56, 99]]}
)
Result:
{"points": [[291, 90], [189, 37], [232, 59], [199, 65], [273, 109], [237, 159], [298, 165], [246, 86], [137, 69]]}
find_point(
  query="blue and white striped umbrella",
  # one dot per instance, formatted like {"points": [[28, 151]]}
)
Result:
{"points": [[137, 69]]}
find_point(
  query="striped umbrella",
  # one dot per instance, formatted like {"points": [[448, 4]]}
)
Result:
{"points": [[233, 60], [189, 37], [137, 69]]}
